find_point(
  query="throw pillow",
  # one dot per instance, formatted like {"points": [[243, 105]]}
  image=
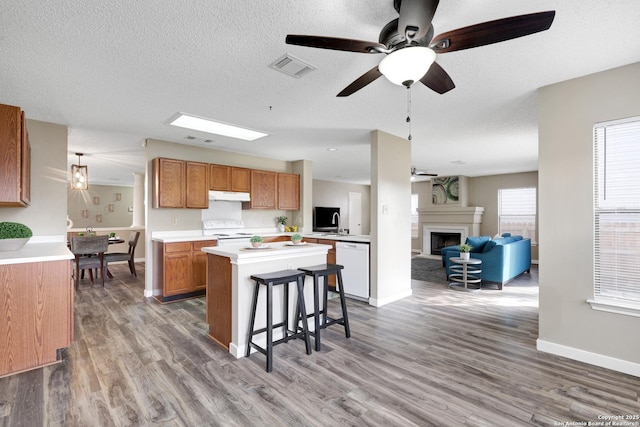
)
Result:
{"points": [[478, 243]]}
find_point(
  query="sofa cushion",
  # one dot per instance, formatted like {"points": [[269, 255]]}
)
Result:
{"points": [[477, 243], [493, 243]]}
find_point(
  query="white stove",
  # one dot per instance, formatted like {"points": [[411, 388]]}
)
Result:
{"points": [[226, 230]]}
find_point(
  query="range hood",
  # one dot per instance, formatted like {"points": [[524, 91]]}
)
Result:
{"points": [[230, 196]]}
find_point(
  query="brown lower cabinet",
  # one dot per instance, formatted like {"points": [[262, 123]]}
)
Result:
{"points": [[36, 318], [331, 255], [180, 270]]}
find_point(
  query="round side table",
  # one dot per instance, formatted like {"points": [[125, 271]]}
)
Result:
{"points": [[465, 274]]}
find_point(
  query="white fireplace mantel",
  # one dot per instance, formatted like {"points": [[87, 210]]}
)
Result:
{"points": [[448, 219]]}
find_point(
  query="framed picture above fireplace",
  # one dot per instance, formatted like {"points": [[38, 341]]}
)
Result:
{"points": [[445, 190]]}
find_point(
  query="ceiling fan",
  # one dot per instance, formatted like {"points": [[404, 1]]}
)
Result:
{"points": [[415, 172], [411, 48]]}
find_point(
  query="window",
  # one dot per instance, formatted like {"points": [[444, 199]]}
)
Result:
{"points": [[617, 216], [414, 216], [517, 212]]}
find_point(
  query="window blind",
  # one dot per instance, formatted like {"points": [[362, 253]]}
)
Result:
{"points": [[617, 210], [517, 212]]}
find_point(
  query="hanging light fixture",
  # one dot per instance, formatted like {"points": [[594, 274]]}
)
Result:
{"points": [[79, 175]]}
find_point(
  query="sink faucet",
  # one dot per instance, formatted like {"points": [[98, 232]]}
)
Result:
{"points": [[333, 221]]}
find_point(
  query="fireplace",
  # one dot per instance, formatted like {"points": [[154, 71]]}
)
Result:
{"points": [[440, 240]]}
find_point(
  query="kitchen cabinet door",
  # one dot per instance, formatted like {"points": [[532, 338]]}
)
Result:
{"points": [[177, 273], [197, 185], [220, 178], [15, 158], [288, 192], [241, 180], [168, 183], [263, 189]]}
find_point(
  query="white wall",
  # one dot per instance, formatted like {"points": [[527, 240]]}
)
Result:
{"points": [[568, 325]]}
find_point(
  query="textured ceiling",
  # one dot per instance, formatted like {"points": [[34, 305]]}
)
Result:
{"points": [[115, 71]]}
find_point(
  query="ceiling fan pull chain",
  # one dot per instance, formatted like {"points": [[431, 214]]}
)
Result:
{"points": [[409, 109]]}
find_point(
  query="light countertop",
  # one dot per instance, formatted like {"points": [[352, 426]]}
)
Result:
{"points": [[196, 235], [37, 252], [244, 252]]}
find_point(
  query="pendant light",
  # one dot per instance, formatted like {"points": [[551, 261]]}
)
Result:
{"points": [[79, 175]]}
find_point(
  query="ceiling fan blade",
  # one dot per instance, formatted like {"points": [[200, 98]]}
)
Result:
{"points": [[335, 43], [361, 82], [415, 17], [492, 32], [437, 79], [415, 172]]}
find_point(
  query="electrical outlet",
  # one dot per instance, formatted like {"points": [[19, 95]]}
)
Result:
{"points": [[174, 220]]}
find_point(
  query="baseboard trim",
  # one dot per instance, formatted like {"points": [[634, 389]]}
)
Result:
{"points": [[596, 359], [380, 302]]}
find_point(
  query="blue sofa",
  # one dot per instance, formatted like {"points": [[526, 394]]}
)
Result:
{"points": [[503, 258]]}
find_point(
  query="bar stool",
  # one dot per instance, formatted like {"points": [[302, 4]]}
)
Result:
{"points": [[325, 270], [270, 280]]}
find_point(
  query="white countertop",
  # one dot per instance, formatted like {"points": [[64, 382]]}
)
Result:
{"points": [[241, 252], [37, 252], [196, 235]]}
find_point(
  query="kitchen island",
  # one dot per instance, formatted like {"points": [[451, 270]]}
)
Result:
{"points": [[230, 289], [36, 318]]}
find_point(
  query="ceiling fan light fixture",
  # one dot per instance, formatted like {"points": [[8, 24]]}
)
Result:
{"points": [[408, 65]]}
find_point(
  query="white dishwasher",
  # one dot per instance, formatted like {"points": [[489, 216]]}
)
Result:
{"points": [[355, 275]]}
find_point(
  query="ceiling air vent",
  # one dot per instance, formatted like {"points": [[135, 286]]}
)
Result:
{"points": [[291, 66]]}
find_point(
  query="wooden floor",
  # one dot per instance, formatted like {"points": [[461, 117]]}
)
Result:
{"points": [[440, 357]]}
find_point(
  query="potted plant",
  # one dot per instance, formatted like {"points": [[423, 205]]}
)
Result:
{"points": [[13, 236], [281, 221], [256, 241], [465, 250], [296, 239]]}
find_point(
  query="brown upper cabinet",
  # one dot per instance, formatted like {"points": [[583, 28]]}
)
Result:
{"points": [[288, 192], [229, 178], [197, 185], [168, 183], [15, 158], [180, 184], [263, 189]]}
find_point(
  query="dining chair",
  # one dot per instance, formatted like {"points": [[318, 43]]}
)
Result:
{"points": [[89, 254], [125, 256]]}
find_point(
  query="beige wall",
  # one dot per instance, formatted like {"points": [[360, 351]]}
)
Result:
{"points": [[336, 194], [568, 324], [483, 192], [47, 214], [390, 218], [78, 200]]}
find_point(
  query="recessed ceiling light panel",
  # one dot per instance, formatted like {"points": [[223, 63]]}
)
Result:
{"points": [[202, 124]]}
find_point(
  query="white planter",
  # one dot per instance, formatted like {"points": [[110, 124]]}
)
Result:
{"points": [[7, 245], [465, 255], [281, 228]]}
